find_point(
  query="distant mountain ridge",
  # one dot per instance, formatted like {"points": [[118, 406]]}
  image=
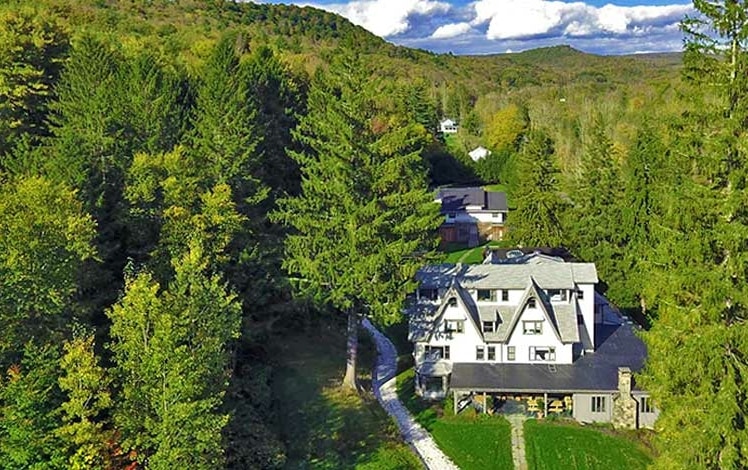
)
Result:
{"points": [[309, 37]]}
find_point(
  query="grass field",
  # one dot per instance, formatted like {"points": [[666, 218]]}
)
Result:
{"points": [[458, 253], [553, 446], [473, 442], [322, 425]]}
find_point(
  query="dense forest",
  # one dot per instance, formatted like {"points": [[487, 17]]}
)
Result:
{"points": [[183, 183]]}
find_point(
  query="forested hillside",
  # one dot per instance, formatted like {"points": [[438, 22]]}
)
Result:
{"points": [[184, 185]]}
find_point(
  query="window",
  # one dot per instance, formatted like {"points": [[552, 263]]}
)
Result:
{"points": [[598, 404], [479, 353], [451, 215], [511, 353], [454, 326], [495, 215], [428, 294], [485, 294], [542, 354], [645, 404], [452, 302], [505, 295], [488, 327], [557, 295], [531, 302], [580, 294], [491, 353], [434, 353], [532, 327]]}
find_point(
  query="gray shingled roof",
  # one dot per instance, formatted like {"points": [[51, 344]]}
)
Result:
{"points": [[551, 275], [618, 347], [425, 316], [457, 199]]}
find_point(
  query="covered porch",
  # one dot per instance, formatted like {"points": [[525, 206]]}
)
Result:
{"points": [[432, 379]]}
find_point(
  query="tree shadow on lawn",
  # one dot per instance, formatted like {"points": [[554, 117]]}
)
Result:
{"points": [[322, 424]]}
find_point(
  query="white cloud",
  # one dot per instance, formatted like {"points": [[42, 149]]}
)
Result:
{"points": [[385, 17], [512, 19], [451, 30]]}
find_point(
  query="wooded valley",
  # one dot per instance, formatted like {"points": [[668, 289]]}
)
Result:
{"points": [[184, 185]]}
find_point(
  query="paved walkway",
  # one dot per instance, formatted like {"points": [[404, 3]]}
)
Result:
{"points": [[518, 440], [385, 391]]}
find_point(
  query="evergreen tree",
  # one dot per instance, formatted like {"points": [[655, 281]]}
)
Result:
{"points": [[640, 207], [594, 224], [224, 139], [540, 209], [365, 220], [699, 342], [171, 351], [278, 97]]}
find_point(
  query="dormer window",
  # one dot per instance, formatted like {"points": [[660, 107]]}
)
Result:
{"points": [[531, 302], [557, 295], [428, 294], [486, 295], [505, 295], [488, 327], [580, 294]]}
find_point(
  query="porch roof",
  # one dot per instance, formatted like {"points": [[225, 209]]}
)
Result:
{"points": [[595, 372]]}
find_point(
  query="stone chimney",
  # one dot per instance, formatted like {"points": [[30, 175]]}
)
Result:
{"points": [[624, 381], [625, 407]]}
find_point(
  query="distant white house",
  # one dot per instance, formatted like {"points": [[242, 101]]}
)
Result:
{"points": [[528, 327], [479, 153], [448, 126]]}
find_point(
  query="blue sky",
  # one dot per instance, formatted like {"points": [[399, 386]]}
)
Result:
{"points": [[495, 26]]}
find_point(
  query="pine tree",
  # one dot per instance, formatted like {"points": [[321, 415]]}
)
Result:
{"points": [[540, 209], [365, 220]]}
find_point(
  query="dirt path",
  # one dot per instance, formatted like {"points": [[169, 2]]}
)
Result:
{"points": [[384, 389]]}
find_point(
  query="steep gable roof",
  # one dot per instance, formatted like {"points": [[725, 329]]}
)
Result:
{"points": [[468, 307], [533, 291]]}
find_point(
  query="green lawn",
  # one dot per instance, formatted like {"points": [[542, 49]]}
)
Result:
{"points": [[551, 446], [458, 253], [472, 441], [322, 425]]}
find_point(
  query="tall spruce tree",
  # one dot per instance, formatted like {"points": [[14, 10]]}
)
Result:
{"points": [[538, 218], [365, 220], [698, 346], [593, 226], [640, 208]]}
